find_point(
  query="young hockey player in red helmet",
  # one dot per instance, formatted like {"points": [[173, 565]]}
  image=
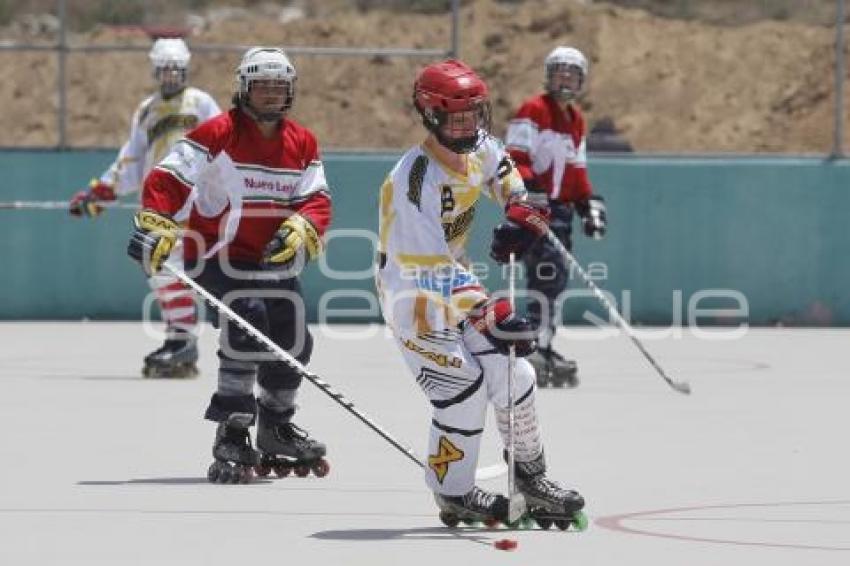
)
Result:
{"points": [[453, 335]]}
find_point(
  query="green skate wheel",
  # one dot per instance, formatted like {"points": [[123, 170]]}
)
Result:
{"points": [[580, 521]]}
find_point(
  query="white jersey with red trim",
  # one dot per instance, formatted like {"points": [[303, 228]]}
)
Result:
{"points": [[425, 282], [549, 147], [243, 184], [156, 126]]}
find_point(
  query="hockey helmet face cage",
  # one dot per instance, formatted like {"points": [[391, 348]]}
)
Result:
{"points": [[454, 104], [170, 61], [566, 73], [265, 83]]}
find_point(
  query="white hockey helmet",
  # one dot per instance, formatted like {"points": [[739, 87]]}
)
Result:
{"points": [[265, 63], [170, 60], [565, 59]]}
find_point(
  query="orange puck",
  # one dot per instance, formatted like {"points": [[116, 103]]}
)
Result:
{"points": [[506, 544]]}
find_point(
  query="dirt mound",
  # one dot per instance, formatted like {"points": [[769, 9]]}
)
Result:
{"points": [[670, 85]]}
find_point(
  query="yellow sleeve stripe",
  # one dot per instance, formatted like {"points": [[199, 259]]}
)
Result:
{"points": [[416, 260], [387, 214]]}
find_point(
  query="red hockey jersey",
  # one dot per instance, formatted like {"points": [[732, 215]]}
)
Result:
{"points": [[242, 185], [550, 149]]}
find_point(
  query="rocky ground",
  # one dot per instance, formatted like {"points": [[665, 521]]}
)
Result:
{"points": [[670, 85]]}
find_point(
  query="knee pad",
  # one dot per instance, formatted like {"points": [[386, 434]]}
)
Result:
{"points": [[253, 310]]}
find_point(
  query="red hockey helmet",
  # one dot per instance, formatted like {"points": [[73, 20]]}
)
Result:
{"points": [[454, 104]]}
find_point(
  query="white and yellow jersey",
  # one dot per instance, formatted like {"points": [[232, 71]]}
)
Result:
{"points": [[425, 282], [156, 126]]}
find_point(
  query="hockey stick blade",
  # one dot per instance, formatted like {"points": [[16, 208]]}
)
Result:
{"points": [[682, 387]]}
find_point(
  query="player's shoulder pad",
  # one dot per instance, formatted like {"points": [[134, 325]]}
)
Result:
{"points": [[214, 133], [532, 107], [408, 175], [145, 107]]}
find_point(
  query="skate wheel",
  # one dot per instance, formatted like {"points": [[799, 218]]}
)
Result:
{"points": [[580, 521], [242, 474], [449, 519], [562, 524], [282, 470], [302, 471], [213, 472], [321, 468], [492, 523], [545, 524], [225, 473], [262, 470]]}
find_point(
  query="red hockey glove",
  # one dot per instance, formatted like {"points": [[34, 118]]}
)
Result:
{"points": [[84, 203], [497, 321]]}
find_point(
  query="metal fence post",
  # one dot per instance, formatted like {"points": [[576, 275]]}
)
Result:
{"points": [[838, 127], [455, 48], [61, 90]]}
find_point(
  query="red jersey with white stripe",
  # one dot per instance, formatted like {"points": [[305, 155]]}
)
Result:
{"points": [[549, 148], [244, 184]]}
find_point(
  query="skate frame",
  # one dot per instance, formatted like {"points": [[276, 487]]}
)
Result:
{"points": [[680, 386], [295, 365]]}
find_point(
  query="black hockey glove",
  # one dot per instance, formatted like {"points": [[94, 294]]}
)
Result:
{"points": [[594, 216], [497, 321], [524, 224], [152, 240]]}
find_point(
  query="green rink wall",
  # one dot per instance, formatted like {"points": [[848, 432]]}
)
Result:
{"points": [[705, 240]]}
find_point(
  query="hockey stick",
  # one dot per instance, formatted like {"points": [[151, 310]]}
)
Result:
{"points": [[59, 205], [680, 386], [516, 502], [286, 357]]}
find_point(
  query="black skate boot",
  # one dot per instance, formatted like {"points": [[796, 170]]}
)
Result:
{"points": [[285, 447], [553, 369], [476, 506], [547, 501], [235, 458], [175, 359]]}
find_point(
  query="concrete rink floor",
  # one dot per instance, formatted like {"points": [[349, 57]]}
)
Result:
{"points": [[103, 467]]}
